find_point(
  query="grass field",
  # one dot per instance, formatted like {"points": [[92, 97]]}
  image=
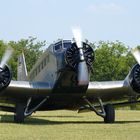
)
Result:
{"points": [[68, 125]]}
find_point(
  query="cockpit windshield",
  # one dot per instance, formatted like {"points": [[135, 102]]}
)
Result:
{"points": [[67, 45], [58, 46], [62, 45]]}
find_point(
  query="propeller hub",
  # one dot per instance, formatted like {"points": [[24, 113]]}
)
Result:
{"points": [[82, 68], [81, 54]]}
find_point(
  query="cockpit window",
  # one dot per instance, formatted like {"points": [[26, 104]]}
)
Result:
{"points": [[57, 47], [67, 45]]}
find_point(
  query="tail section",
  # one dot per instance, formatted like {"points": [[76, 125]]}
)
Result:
{"points": [[22, 74]]}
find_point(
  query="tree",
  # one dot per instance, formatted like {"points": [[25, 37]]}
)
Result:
{"points": [[30, 47], [112, 61], [3, 46]]}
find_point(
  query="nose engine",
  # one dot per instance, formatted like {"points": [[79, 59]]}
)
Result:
{"points": [[5, 77], [72, 56]]}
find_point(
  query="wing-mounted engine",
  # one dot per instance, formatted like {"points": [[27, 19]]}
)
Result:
{"points": [[5, 77], [134, 78], [5, 73]]}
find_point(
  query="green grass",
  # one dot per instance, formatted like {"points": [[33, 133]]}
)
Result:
{"points": [[68, 125]]}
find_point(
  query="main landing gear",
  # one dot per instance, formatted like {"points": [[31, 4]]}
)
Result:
{"points": [[22, 110], [19, 113], [107, 112]]}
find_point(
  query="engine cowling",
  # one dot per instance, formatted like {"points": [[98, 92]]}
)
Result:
{"points": [[72, 55], [5, 77], [135, 78]]}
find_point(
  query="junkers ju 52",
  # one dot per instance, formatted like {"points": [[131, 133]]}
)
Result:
{"points": [[60, 80]]}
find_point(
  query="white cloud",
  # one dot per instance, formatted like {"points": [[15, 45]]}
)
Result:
{"points": [[111, 8]]}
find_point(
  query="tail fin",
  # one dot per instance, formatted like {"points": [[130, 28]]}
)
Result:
{"points": [[22, 74]]}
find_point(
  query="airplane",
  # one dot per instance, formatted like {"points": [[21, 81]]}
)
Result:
{"points": [[60, 80]]}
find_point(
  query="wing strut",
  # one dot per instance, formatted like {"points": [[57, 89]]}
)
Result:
{"points": [[106, 111], [29, 112], [92, 107]]}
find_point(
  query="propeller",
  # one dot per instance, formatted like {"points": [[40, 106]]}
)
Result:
{"points": [[83, 77], [136, 54], [5, 73], [6, 57], [135, 72]]}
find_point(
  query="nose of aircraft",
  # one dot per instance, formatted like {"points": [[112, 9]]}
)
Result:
{"points": [[81, 61], [80, 57]]}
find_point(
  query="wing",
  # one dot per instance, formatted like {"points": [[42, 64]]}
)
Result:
{"points": [[25, 89], [109, 90], [113, 90]]}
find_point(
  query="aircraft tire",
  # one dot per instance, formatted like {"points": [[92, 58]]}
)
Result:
{"points": [[19, 113], [110, 114]]}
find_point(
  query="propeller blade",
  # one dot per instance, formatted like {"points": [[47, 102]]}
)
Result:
{"points": [[83, 77], [78, 37], [136, 54], [7, 55]]}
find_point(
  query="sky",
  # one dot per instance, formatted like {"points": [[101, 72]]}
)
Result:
{"points": [[107, 20]]}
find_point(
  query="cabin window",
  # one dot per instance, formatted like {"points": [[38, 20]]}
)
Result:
{"points": [[41, 65], [44, 62], [35, 71], [39, 68], [34, 74], [31, 76], [47, 59]]}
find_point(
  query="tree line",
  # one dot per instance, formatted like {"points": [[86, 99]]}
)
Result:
{"points": [[31, 48], [113, 60]]}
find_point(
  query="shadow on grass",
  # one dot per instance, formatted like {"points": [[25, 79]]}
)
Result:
{"points": [[39, 121], [127, 122], [62, 116]]}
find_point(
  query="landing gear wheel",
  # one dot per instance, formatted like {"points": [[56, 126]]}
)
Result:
{"points": [[19, 113], [110, 114]]}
